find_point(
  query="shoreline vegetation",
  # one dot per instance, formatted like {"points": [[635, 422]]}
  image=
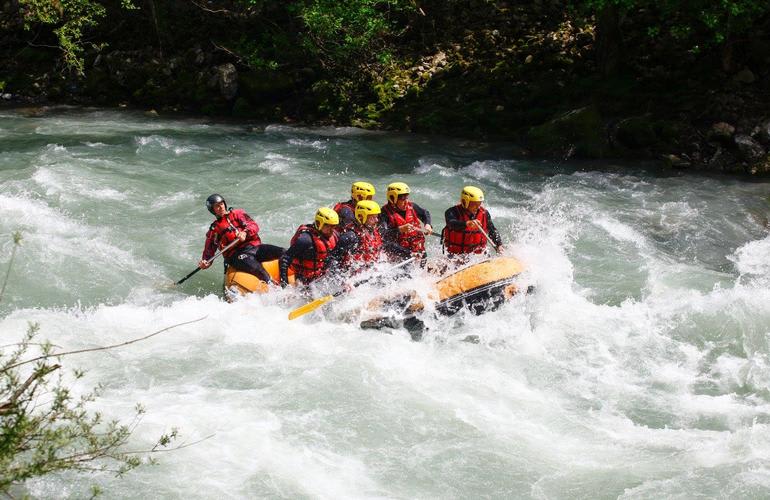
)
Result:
{"points": [[682, 82], [46, 428]]}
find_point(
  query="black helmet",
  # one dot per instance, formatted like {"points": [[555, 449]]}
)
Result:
{"points": [[211, 200]]}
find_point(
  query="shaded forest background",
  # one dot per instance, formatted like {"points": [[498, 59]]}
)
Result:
{"points": [[683, 81]]}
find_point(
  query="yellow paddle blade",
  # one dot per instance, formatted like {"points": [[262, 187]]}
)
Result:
{"points": [[310, 306]]}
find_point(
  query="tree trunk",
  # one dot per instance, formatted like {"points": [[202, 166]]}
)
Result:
{"points": [[609, 40]]}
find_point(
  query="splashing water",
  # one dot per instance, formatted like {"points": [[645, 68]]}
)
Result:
{"points": [[639, 369]]}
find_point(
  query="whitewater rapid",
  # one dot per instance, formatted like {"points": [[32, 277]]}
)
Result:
{"points": [[638, 369]]}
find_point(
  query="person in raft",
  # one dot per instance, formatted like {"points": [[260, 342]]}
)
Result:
{"points": [[466, 225], [401, 220], [359, 245], [235, 224], [346, 209], [309, 251]]}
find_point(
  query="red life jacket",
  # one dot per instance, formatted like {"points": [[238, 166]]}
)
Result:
{"points": [[310, 269], [413, 240], [225, 228], [466, 240], [369, 245]]}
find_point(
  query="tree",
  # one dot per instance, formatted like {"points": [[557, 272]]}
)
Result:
{"points": [[44, 428], [693, 24]]}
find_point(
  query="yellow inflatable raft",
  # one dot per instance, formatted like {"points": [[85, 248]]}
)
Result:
{"points": [[240, 283], [479, 288]]}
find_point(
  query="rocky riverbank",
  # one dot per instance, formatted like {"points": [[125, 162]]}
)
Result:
{"points": [[527, 76]]}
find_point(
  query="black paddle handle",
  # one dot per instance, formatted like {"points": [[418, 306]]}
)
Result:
{"points": [[228, 247], [188, 276]]}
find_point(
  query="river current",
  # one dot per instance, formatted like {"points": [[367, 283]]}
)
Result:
{"points": [[639, 369]]}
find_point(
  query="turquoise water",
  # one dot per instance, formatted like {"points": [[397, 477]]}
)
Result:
{"points": [[639, 369]]}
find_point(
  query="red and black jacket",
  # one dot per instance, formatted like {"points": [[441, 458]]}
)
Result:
{"points": [[222, 232], [307, 254], [414, 240], [457, 238]]}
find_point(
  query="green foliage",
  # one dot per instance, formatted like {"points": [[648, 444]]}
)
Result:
{"points": [[689, 20], [71, 18], [344, 31], [44, 428]]}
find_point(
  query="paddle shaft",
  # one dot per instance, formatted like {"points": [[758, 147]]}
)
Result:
{"points": [[312, 306], [228, 247], [478, 225]]}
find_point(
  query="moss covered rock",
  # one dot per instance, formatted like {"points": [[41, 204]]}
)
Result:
{"points": [[579, 132]]}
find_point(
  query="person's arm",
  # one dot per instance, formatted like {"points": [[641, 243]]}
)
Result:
{"points": [[395, 250], [494, 235], [347, 243], [424, 217], [298, 250], [209, 249], [452, 217], [246, 224], [422, 214], [387, 232]]}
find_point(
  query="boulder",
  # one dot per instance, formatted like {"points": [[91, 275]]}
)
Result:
{"points": [[636, 132], [748, 149], [763, 132], [227, 78], [675, 162], [580, 131], [761, 167], [722, 132], [745, 76]]}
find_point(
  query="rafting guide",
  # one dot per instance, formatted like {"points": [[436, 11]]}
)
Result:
{"points": [[234, 224]]}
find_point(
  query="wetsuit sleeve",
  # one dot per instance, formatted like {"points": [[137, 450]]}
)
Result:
{"points": [[346, 244], [210, 247], [387, 232], [452, 218], [247, 224], [494, 235], [422, 214], [394, 249], [301, 249]]}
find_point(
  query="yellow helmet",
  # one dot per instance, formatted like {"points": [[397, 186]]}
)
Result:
{"points": [[360, 190], [469, 194], [365, 208], [395, 189], [324, 216]]}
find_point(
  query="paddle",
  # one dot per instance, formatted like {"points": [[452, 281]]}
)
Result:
{"points": [[478, 225], [228, 247], [312, 306]]}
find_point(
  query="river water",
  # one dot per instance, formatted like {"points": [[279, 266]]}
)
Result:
{"points": [[640, 368]]}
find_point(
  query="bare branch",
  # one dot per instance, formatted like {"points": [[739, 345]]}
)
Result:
{"points": [[104, 348]]}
